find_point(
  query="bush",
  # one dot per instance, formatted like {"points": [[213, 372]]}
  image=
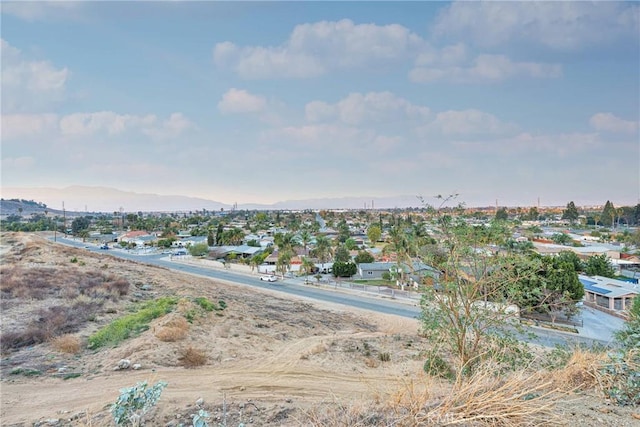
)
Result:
{"points": [[192, 357], [66, 344], [132, 324], [623, 374], [436, 366], [205, 304], [134, 402], [173, 330]]}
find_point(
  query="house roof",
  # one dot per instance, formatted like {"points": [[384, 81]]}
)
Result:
{"points": [[608, 287]]}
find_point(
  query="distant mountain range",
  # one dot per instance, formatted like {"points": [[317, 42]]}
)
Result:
{"points": [[105, 199]]}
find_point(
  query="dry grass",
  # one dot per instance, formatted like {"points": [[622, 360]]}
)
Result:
{"points": [[520, 398], [582, 371], [175, 329], [69, 344], [193, 357]]}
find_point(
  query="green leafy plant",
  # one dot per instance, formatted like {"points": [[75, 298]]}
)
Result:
{"points": [[201, 419], [132, 324], [623, 372], [134, 402], [205, 304]]}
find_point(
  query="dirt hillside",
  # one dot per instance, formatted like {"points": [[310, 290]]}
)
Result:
{"points": [[264, 360]]}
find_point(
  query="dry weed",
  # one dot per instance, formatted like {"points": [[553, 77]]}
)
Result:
{"points": [[193, 357], [69, 344], [173, 330], [583, 371], [518, 399]]}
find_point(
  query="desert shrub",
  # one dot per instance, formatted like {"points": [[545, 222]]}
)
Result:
{"points": [[74, 260], [384, 357], [49, 323], [132, 324], [134, 402], [484, 398], [66, 344], [222, 304], [192, 357], [436, 366], [622, 377], [173, 330], [205, 304]]}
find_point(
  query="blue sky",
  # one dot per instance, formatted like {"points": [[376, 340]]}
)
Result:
{"points": [[269, 101]]}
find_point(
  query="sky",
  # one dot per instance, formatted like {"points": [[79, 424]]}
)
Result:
{"points": [[260, 102]]}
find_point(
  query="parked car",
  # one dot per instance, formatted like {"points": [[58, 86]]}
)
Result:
{"points": [[104, 246], [268, 278], [180, 252]]}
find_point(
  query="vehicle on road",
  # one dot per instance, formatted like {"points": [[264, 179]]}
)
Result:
{"points": [[268, 278], [104, 246]]}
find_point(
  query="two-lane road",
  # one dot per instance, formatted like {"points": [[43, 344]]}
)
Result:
{"points": [[544, 337]]}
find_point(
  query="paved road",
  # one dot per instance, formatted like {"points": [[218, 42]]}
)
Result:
{"points": [[295, 287]]}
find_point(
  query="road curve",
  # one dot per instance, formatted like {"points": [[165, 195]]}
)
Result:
{"points": [[545, 337]]}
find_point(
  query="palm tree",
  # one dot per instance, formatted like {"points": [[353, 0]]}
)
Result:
{"points": [[322, 250], [304, 237], [284, 261]]}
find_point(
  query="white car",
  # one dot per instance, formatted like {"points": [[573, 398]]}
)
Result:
{"points": [[268, 278]]}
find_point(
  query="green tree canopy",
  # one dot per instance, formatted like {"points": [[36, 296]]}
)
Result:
{"points": [[374, 233], [571, 212], [363, 257], [599, 265]]}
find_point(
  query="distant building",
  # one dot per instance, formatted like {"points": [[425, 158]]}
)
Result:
{"points": [[611, 295]]}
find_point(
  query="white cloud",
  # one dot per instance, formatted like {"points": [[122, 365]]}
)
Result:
{"points": [[373, 107], [525, 143], [82, 124], [561, 25], [468, 122], [26, 83], [610, 123], [25, 126], [485, 68], [101, 123], [174, 126], [39, 11], [314, 49], [241, 101]]}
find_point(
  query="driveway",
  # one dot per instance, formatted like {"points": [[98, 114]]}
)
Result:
{"points": [[598, 325]]}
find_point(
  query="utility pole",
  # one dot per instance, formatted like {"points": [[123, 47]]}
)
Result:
{"points": [[64, 218]]}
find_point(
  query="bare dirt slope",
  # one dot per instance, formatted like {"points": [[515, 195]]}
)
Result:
{"points": [[282, 353], [270, 360]]}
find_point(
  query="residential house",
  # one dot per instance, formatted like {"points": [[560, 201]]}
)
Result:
{"points": [[610, 295]]}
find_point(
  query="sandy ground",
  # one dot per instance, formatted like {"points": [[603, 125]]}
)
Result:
{"points": [[271, 360]]}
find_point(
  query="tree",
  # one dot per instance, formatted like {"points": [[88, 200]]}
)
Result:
{"points": [[374, 233], [304, 237], [363, 257], [344, 269], [350, 244], [342, 254], [308, 266], [284, 261], [570, 213], [199, 249], [79, 224], [629, 335], [573, 258], [468, 312], [533, 214], [561, 239], [608, 215], [599, 265], [502, 214], [322, 250]]}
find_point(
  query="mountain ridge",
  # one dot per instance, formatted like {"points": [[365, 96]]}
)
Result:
{"points": [[107, 199]]}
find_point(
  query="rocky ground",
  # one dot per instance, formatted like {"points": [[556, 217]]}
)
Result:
{"points": [[269, 360]]}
